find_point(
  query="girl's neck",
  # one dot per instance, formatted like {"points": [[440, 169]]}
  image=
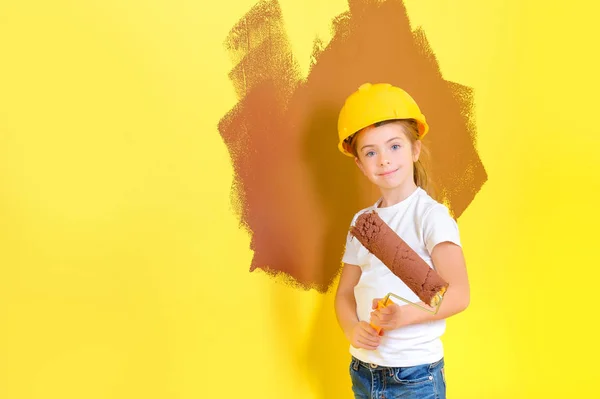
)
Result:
{"points": [[396, 195]]}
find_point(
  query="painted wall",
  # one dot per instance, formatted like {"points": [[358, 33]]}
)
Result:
{"points": [[168, 229]]}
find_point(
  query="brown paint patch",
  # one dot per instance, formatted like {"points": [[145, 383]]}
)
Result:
{"points": [[296, 193]]}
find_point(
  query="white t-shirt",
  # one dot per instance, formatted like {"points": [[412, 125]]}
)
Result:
{"points": [[423, 223]]}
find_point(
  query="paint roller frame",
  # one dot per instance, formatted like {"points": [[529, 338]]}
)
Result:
{"points": [[385, 302]]}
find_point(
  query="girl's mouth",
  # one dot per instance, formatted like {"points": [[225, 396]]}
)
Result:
{"points": [[389, 173]]}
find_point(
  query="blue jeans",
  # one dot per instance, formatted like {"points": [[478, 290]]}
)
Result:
{"points": [[370, 381]]}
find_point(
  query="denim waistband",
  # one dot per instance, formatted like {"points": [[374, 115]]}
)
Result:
{"points": [[372, 366]]}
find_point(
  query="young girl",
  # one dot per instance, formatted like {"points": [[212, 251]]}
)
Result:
{"points": [[381, 127]]}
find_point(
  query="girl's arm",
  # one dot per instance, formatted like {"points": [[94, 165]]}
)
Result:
{"points": [[360, 334], [449, 262]]}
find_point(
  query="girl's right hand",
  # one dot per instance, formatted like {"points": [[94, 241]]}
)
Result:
{"points": [[364, 336]]}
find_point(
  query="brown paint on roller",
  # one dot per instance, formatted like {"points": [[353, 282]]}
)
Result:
{"points": [[296, 193], [398, 256]]}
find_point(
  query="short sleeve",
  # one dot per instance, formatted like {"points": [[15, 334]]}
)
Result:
{"points": [[438, 227], [352, 246]]}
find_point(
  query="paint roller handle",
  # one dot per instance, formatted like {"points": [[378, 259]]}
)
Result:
{"points": [[382, 303]]}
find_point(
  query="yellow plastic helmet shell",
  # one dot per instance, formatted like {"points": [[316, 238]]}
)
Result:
{"points": [[373, 103]]}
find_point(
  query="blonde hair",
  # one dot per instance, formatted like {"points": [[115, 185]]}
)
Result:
{"points": [[411, 130]]}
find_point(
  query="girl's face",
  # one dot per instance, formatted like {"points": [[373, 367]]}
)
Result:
{"points": [[386, 156]]}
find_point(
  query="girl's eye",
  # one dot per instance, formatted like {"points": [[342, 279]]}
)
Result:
{"points": [[370, 154], [396, 147]]}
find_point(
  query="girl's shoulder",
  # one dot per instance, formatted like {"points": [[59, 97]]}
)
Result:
{"points": [[425, 204], [435, 218]]}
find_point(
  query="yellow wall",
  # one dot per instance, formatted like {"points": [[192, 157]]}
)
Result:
{"points": [[123, 273]]}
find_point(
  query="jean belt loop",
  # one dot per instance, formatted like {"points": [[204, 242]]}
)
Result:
{"points": [[355, 364]]}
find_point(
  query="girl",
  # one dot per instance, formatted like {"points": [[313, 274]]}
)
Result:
{"points": [[381, 127]]}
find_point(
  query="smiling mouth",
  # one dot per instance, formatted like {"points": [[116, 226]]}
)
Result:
{"points": [[389, 173]]}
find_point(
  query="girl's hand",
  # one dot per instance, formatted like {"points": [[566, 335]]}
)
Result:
{"points": [[364, 336], [388, 318]]}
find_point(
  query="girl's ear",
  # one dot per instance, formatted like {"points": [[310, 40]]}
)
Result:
{"points": [[416, 149]]}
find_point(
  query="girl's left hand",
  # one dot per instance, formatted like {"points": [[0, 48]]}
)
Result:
{"points": [[388, 318]]}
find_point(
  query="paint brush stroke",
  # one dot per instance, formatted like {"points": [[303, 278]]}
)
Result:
{"points": [[294, 191]]}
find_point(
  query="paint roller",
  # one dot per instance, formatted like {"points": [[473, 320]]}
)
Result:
{"points": [[383, 242]]}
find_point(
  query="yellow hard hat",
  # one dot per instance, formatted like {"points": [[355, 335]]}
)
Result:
{"points": [[373, 103]]}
